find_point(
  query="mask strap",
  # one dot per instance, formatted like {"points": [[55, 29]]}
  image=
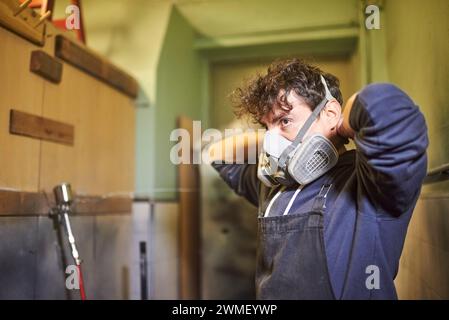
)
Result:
{"points": [[300, 136]]}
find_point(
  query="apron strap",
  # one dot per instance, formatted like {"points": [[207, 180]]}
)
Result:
{"points": [[267, 211], [290, 203], [319, 205]]}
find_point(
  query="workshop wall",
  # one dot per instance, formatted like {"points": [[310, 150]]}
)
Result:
{"points": [[416, 35], [34, 253]]}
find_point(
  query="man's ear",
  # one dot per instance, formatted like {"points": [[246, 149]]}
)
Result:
{"points": [[332, 113]]}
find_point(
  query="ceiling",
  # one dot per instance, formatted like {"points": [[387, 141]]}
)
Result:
{"points": [[217, 18]]}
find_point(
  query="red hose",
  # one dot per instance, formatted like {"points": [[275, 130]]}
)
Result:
{"points": [[81, 282]]}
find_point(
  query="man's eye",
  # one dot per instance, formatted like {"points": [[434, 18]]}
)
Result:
{"points": [[285, 122]]}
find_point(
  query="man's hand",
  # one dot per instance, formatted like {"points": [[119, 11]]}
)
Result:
{"points": [[343, 127]]}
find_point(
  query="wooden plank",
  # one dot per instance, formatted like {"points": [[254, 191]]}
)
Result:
{"points": [[86, 60], [189, 223], [19, 89], [23, 24], [101, 205], [26, 124], [102, 160], [46, 66], [16, 203]]}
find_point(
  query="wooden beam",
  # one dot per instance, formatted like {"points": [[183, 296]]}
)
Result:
{"points": [[16, 203], [86, 60], [46, 66], [86, 205], [189, 223], [29, 125]]}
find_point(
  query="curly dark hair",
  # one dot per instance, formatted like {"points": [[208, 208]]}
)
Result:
{"points": [[261, 94]]}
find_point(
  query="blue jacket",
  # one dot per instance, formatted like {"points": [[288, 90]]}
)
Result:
{"points": [[374, 192]]}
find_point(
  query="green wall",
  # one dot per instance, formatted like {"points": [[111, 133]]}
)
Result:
{"points": [[178, 92]]}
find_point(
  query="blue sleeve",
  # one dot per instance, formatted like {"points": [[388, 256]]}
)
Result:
{"points": [[242, 178], [391, 140]]}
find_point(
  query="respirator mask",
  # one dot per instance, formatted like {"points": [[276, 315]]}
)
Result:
{"points": [[300, 161]]}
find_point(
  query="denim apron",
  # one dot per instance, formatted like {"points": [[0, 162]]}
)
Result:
{"points": [[291, 261]]}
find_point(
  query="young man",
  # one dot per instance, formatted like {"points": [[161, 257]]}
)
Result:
{"points": [[332, 222]]}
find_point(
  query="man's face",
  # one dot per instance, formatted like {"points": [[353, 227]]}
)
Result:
{"points": [[288, 122]]}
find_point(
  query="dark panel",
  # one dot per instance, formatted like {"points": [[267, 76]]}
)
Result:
{"points": [[34, 257], [85, 235], [18, 251], [54, 257], [229, 229], [140, 233], [112, 250]]}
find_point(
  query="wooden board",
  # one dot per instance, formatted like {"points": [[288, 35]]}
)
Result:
{"points": [[23, 24], [189, 223], [21, 90], [46, 66], [30, 125], [15, 203], [102, 160], [86, 60]]}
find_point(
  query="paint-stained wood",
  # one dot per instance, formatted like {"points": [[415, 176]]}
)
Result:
{"points": [[46, 66], [26, 124], [85, 59], [102, 205], [15, 203], [24, 24], [189, 223]]}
